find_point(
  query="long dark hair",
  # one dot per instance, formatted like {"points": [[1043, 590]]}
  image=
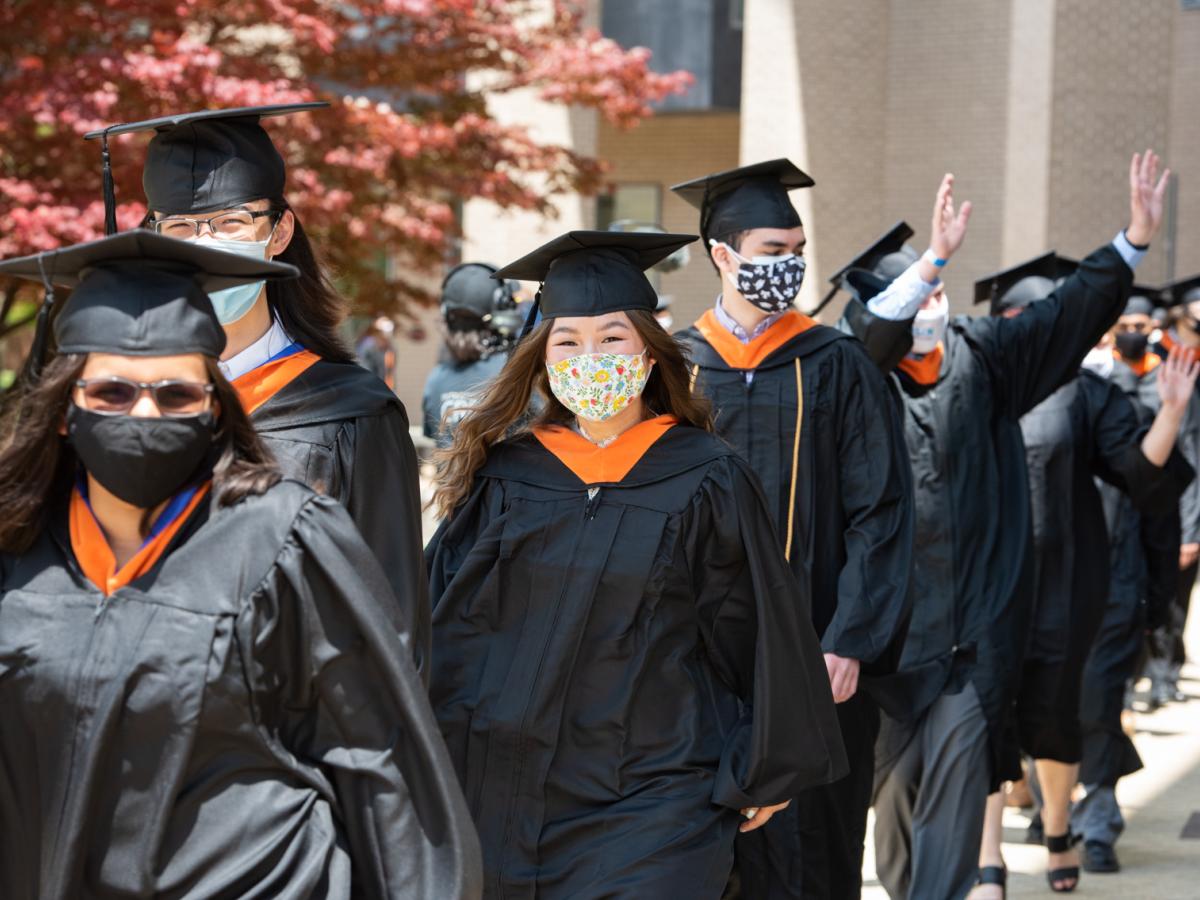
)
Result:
{"points": [[38, 463], [309, 307], [502, 410]]}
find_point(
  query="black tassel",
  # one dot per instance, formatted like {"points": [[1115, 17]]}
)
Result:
{"points": [[41, 331], [109, 188], [531, 319]]}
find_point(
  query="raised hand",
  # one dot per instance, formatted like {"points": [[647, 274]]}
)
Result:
{"points": [[948, 229], [1146, 197], [1177, 379]]}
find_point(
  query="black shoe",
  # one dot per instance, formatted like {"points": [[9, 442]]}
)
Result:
{"points": [[1035, 834], [997, 875], [1100, 857], [1067, 876]]}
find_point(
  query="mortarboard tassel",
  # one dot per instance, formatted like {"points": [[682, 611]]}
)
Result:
{"points": [[41, 331], [109, 188], [531, 320]]}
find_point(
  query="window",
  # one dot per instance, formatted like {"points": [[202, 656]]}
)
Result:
{"points": [[737, 14], [630, 201]]}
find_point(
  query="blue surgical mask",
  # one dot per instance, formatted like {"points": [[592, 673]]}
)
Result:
{"points": [[233, 303]]}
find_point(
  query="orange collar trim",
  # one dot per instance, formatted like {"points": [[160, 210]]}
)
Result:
{"points": [[749, 356], [1148, 363], [1167, 342], [95, 557], [603, 465], [924, 371], [259, 385]]}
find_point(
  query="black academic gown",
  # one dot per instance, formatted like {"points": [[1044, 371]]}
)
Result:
{"points": [[1086, 429], [239, 721], [973, 562], [341, 431], [617, 676], [843, 485]]}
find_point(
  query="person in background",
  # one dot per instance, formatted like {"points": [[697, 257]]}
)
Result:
{"points": [[1166, 650], [627, 675], [203, 676], [477, 334], [215, 178], [965, 383], [375, 351]]}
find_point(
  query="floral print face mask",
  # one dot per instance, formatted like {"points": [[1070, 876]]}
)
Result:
{"points": [[597, 386]]}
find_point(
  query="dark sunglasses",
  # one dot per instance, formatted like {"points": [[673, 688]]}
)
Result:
{"points": [[115, 396]]}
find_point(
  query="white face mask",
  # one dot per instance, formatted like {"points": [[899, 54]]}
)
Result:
{"points": [[233, 303], [929, 327], [1100, 361]]}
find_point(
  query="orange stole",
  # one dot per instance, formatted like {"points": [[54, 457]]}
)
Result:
{"points": [[259, 385], [96, 558], [602, 465], [749, 356], [923, 371], [1147, 363]]}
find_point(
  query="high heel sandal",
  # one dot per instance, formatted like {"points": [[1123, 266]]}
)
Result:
{"points": [[997, 875], [1062, 843]]}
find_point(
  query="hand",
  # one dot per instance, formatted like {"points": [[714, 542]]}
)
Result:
{"points": [[1145, 198], [1177, 380], [948, 230], [1188, 554], [843, 676], [758, 816]]}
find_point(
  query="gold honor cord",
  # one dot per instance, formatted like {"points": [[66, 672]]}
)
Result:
{"points": [[787, 550], [695, 375]]}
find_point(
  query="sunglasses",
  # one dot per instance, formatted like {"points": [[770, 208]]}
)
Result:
{"points": [[115, 396]]}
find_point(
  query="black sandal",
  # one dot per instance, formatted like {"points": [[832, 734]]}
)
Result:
{"points": [[997, 875], [1062, 843]]}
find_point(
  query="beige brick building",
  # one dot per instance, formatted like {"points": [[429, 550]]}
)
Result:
{"points": [[1035, 105]]}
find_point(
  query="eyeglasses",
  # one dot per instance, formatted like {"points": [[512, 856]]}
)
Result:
{"points": [[115, 396], [236, 225]]}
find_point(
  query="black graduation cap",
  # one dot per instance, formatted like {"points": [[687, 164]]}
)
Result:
{"points": [[1184, 290], [887, 256], [754, 196], [1143, 300], [203, 161], [137, 293], [590, 273], [1023, 283]]}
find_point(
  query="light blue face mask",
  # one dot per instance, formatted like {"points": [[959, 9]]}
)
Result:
{"points": [[233, 303]]}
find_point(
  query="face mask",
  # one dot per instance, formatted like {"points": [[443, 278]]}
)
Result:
{"points": [[1132, 344], [597, 386], [769, 282], [233, 303], [1099, 360], [141, 460], [929, 327]]}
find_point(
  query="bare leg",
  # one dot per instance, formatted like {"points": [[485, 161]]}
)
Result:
{"points": [[989, 848], [1058, 780]]}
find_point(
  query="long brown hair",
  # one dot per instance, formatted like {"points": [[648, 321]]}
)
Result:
{"points": [[38, 464], [502, 410]]}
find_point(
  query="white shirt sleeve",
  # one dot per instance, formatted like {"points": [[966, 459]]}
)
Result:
{"points": [[1131, 254], [902, 298]]}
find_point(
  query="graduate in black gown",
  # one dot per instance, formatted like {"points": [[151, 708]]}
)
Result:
{"points": [[963, 400], [203, 681], [626, 670], [215, 177], [1087, 429], [810, 412]]}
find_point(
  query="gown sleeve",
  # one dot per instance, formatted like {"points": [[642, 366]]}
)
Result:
{"points": [[383, 496], [1160, 542], [335, 688], [1118, 457], [756, 625], [458, 535], [876, 495], [1030, 356]]}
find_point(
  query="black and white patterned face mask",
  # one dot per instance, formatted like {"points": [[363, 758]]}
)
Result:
{"points": [[769, 282]]}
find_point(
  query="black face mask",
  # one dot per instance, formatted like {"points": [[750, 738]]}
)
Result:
{"points": [[141, 460], [1132, 344]]}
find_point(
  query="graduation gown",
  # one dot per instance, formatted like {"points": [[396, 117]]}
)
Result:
{"points": [[973, 562], [620, 670], [240, 720], [341, 431], [820, 429]]}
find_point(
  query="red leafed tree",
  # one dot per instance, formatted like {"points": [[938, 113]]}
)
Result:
{"points": [[409, 134]]}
